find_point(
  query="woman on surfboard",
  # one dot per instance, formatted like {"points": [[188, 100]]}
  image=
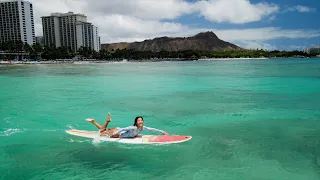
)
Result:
{"points": [[128, 132]]}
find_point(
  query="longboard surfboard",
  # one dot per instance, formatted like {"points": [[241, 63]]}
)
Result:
{"points": [[143, 139]]}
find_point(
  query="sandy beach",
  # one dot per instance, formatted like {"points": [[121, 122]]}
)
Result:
{"points": [[226, 59], [54, 62], [116, 61]]}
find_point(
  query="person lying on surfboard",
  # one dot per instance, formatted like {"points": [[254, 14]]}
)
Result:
{"points": [[128, 132]]}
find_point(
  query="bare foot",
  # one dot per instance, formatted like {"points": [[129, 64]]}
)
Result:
{"points": [[109, 118], [90, 120]]}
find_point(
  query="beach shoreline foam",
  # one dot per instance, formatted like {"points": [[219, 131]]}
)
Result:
{"points": [[129, 61], [116, 61], [225, 59]]}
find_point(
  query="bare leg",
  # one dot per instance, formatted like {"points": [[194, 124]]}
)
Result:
{"points": [[105, 125], [94, 123], [101, 128]]}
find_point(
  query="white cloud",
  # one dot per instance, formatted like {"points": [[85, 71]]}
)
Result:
{"points": [[144, 9], [302, 9], [272, 18], [266, 33], [235, 11], [255, 45], [120, 19], [297, 47], [119, 28]]}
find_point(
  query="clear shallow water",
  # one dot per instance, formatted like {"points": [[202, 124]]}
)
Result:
{"points": [[249, 119]]}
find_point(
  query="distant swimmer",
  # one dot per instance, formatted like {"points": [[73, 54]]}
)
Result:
{"points": [[128, 132]]}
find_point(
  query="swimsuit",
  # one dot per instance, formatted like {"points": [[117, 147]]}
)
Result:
{"points": [[133, 131]]}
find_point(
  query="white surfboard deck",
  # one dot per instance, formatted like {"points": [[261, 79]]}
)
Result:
{"points": [[142, 139]]}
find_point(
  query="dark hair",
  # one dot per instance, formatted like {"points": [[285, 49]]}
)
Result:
{"points": [[136, 119]]}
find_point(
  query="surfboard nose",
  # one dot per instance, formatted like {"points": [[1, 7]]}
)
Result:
{"points": [[188, 137]]}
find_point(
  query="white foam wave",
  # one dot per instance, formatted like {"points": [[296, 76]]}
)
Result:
{"points": [[7, 119], [46, 130], [49, 130], [96, 141], [83, 62], [70, 126], [119, 62], [10, 131], [74, 126], [78, 141]]}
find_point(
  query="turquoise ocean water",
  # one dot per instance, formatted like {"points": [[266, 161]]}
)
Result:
{"points": [[250, 119]]}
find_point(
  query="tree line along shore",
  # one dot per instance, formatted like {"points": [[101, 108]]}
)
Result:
{"points": [[13, 49]]}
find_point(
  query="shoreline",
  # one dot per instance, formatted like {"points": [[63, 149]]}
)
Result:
{"points": [[130, 61], [226, 59]]}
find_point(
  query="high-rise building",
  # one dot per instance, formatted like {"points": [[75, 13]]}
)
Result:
{"points": [[69, 30], [87, 36], [96, 39], [313, 50], [16, 21], [39, 40]]}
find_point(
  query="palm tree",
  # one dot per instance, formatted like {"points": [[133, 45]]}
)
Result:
{"points": [[27, 49], [37, 50]]}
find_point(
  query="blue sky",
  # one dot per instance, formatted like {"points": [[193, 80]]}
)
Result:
{"points": [[268, 24], [292, 15], [283, 18]]}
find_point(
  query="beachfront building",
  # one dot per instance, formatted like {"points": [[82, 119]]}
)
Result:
{"points": [[69, 30], [87, 36], [16, 21], [313, 50], [96, 39], [39, 40]]}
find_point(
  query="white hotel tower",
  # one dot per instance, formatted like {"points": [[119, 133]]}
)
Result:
{"points": [[16, 21], [70, 30]]}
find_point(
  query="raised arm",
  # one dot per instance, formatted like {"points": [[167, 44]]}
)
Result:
{"points": [[154, 130]]}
